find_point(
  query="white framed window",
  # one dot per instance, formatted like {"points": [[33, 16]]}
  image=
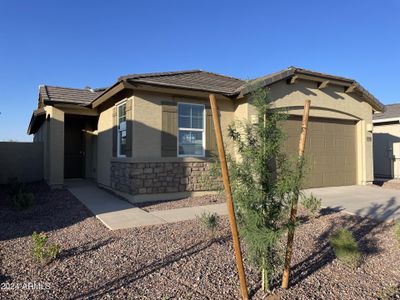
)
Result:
{"points": [[121, 129], [191, 133]]}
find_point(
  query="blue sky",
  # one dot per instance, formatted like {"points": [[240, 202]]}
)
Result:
{"points": [[91, 43]]}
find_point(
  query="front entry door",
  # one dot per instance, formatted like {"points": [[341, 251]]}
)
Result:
{"points": [[74, 150]]}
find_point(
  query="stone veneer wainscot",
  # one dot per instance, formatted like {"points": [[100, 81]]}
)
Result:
{"points": [[138, 178]]}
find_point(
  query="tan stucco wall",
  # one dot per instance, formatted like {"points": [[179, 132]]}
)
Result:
{"points": [[242, 109], [55, 147], [331, 102], [104, 146], [51, 133], [23, 161], [147, 118], [41, 136], [384, 137], [105, 142]]}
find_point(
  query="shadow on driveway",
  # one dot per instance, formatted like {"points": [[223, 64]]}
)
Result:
{"points": [[367, 201]]}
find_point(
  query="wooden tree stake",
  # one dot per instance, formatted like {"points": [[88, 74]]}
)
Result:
{"points": [[293, 211], [229, 202]]}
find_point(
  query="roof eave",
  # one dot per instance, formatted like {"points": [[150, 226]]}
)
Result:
{"points": [[108, 93], [130, 84], [309, 75], [38, 116], [52, 102], [386, 120], [264, 81], [176, 86]]}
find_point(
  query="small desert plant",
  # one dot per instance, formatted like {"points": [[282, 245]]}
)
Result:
{"points": [[22, 200], [397, 231], [388, 293], [210, 221], [14, 186], [42, 251], [20, 197], [345, 247], [311, 204]]}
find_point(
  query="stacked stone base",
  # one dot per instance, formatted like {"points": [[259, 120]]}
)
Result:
{"points": [[139, 178]]}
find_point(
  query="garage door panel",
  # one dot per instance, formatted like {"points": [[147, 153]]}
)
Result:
{"points": [[330, 150], [340, 162], [329, 143], [316, 129], [315, 180], [340, 145], [348, 147], [330, 130], [351, 163], [317, 144]]}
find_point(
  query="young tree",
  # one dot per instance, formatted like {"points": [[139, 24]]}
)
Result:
{"points": [[263, 179]]}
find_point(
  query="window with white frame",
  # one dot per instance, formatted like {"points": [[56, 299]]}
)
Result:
{"points": [[121, 122], [190, 129]]}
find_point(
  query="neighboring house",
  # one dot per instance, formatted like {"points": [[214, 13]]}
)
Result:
{"points": [[150, 134], [387, 142]]}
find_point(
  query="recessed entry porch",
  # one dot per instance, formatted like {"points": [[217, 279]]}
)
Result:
{"points": [[80, 146]]}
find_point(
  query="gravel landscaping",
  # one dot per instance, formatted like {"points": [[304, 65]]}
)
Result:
{"points": [[186, 202], [178, 261], [388, 183]]}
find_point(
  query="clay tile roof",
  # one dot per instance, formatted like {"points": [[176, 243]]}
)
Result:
{"points": [[292, 71], [55, 94], [192, 79], [391, 111]]}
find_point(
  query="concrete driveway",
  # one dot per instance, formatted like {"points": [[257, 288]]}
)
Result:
{"points": [[372, 201]]}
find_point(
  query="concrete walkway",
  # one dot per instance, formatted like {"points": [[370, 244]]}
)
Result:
{"points": [[369, 201], [379, 203], [116, 213]]}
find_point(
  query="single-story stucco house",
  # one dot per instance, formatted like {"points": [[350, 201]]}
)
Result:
{"points": [[150, 134], [387, 142]]}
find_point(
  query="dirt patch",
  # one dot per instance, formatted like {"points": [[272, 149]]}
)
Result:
{"points": [[187, 202], [178, 261]]}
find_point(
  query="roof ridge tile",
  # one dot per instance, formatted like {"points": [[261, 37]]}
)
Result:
{"points": [[157, 74]]}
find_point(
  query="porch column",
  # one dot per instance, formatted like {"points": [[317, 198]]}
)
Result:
{"points": [[55, 151], [364, 153]]}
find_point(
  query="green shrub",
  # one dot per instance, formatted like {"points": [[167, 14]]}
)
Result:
{"points": [[210, 221], [265, 181], [22, 200], [43, 252], [397, 231], [345, 247], [14, 186], [388, 293], [311, 204], [19, 196]]}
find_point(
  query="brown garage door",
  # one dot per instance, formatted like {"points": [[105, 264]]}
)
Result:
{"points": [[330, 150]]}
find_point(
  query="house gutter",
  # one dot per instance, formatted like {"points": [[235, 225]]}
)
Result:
{"points": [[130, 84], [386, 120]]}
